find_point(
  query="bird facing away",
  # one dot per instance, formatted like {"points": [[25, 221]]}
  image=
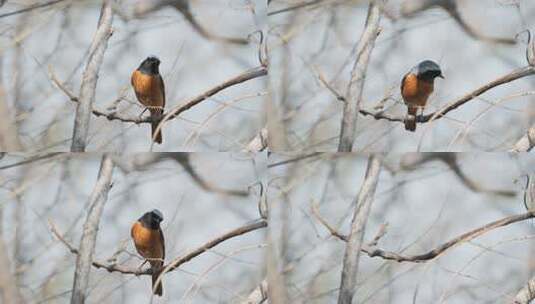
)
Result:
{"points": [[149, 243], [416, 86], [150, 91]]}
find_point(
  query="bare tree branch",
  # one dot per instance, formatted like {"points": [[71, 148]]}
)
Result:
{"points": [[526, 294], [174, 113], [514, 75], [255, 225], [294, 7], [412, 7], [373, 251], [142, 160], [8, 285], [90, 77], [183, 6], [29, 8], [258, 295], [363, 204], [248, 75], [355, 87], [413, 160], [96, 203], [526, 142], [259, 142]]}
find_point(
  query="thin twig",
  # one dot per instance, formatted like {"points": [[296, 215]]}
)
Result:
{"points": [[30, 8]]}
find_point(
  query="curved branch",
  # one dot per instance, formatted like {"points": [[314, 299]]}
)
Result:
{"points": [[512, 76], [142, 160], [255, 225], [247, 75], [373, 251], [410, 8], [243, 77], [145, 7]]}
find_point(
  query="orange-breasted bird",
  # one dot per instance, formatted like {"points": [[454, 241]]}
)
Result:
{"points": [[150, 91], [416, 87], [149, 242]]}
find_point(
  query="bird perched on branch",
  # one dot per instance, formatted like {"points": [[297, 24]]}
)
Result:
{"points": [[416, 86], [149, 243], [150, 91]]}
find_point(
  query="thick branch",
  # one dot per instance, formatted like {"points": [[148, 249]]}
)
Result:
{"points": [[355, 87], [260, 223], [258, 295], [90, 77], [526, 142], [363, 205], [259, 142], [526, 294], [96, 203]]}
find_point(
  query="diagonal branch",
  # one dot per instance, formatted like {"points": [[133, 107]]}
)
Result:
{"points": [[410, 8], [243, 77], [90, 77], [512, 76], [248, 75], [355, 87], [255, 225], [145, 7], [373, 251], [363, 205], [141, 160], [96, 203]]}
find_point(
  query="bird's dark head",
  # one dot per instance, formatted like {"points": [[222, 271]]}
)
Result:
{"points": [[429, 70], [152, 219], [150, 65]]}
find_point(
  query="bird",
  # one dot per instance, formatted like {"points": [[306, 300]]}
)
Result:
{"points": [[150, 91], [416, 86], [149, 242]]}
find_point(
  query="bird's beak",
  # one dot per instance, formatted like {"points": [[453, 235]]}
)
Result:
{"points": [[441, 76]]}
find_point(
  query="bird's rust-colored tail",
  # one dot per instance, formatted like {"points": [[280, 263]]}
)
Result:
{"points": [[410, 121], [156, 114]]}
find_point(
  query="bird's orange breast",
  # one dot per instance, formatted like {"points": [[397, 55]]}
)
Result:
{"points": [[148, 89], [148, 242], [416, 91]]}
